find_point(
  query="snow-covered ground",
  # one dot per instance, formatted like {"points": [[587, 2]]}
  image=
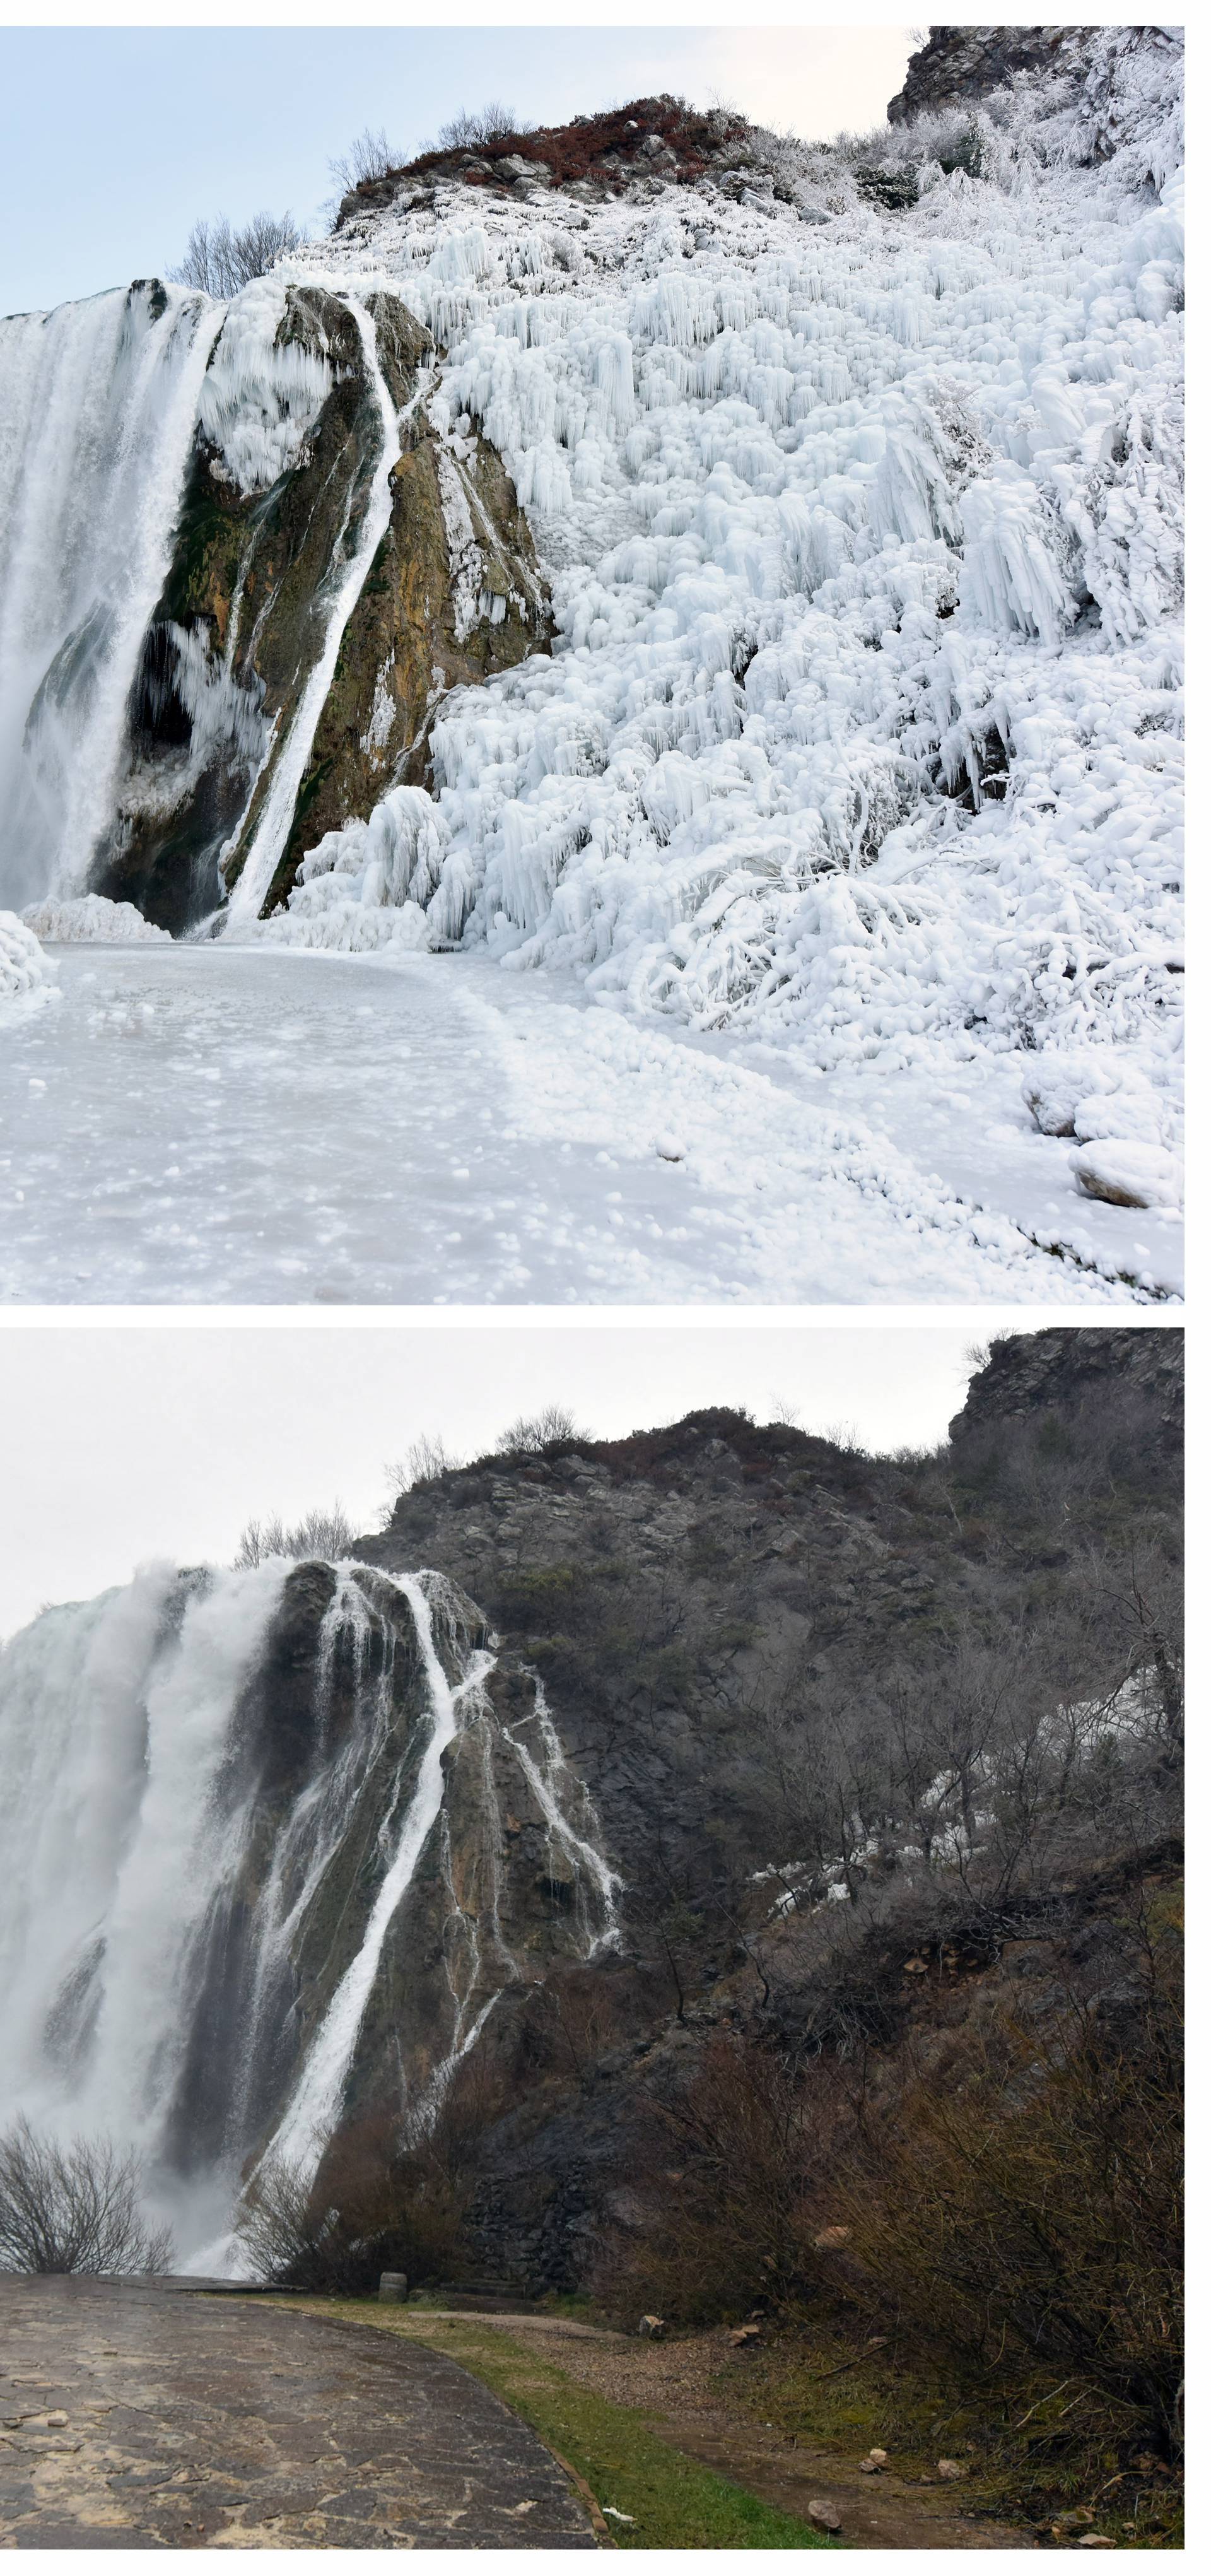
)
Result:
{"points": [[246, 1126]]}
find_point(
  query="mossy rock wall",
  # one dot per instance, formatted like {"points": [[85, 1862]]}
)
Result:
{"points": [[250, 584]]}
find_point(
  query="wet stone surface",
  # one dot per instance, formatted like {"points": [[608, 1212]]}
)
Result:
{"points": [[194, 2423]]}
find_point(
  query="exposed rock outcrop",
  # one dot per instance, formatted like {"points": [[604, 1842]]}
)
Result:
{"points": [[452, 593], [960, 63]]}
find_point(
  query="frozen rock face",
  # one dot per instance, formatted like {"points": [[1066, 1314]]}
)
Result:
{"points": [[856, 472], [969, 62]]}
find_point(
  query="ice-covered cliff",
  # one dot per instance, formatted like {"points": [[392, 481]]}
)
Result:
{"points": [[236, 559], [854, 473], [858, 477]]}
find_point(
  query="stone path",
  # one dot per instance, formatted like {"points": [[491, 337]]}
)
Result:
{"points": [[134, 2416], [676, 2387]]}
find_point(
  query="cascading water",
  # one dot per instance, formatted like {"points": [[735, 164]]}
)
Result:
{"points": [[227, 1884], [98, 408], [277, 815], [312, 2112]]}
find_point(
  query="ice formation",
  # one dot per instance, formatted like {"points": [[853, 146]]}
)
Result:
{"points": [[89, 916], [25, 973], [863, 721], [259, 399]]}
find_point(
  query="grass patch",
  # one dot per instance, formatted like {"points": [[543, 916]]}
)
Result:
{"points": [[673, 2502], [1034, 2448]]}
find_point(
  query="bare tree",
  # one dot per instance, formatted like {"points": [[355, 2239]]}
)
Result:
{"points": [[552, 1426], [75, 2208], [221, 258], [369, 156], [323, 1534], [471, 127]]}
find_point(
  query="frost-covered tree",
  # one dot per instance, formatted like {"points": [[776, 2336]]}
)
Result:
{"points": [[472, 126]]}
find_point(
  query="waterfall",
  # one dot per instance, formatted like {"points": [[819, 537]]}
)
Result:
{"points": [[98, 407], [555, 1788], [228, 1878], [312, 2112], [277, 814]]}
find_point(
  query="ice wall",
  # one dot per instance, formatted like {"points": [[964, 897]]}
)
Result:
{"points": [[864, 721]]}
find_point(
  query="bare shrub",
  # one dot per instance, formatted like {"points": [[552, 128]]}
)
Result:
{"points": [[425, 1458], [550, 1428], [1031, 2204], [74, 2208], [469, 128], [384, 2199], [369, 156], [324, 1536], [726, 2179], [1013, 2202], [221, 257]]}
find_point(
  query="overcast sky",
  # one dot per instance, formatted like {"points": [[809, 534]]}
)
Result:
{"points": [[129, 1442], [113, 139]]}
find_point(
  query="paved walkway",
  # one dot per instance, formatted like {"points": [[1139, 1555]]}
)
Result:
{"points": [[139, 2417]]}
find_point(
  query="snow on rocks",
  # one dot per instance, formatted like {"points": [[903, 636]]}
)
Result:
{"points": [[862, 726], [89, 916], [1128, 1173], [26, 975]]}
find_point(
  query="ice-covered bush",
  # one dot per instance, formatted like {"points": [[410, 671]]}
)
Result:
{"points": [[26, 975]]}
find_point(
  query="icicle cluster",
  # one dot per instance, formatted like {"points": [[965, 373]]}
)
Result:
{"points": [[259, 397], [863, 722], [25, 973]]}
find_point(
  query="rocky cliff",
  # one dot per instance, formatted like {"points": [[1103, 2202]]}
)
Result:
{"points": [[276, 495], [710, 1726]]}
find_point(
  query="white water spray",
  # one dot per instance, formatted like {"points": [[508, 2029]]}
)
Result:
{"points": [[98, 406]]}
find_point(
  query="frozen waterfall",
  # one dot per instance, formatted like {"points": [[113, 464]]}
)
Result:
{"points": [[98, 407]]}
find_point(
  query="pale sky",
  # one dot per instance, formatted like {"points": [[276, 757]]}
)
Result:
{"points": [[126, 1442], [114, 139]]}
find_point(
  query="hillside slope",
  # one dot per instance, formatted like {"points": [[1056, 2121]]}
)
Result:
{"points": [[672, 1730]]}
